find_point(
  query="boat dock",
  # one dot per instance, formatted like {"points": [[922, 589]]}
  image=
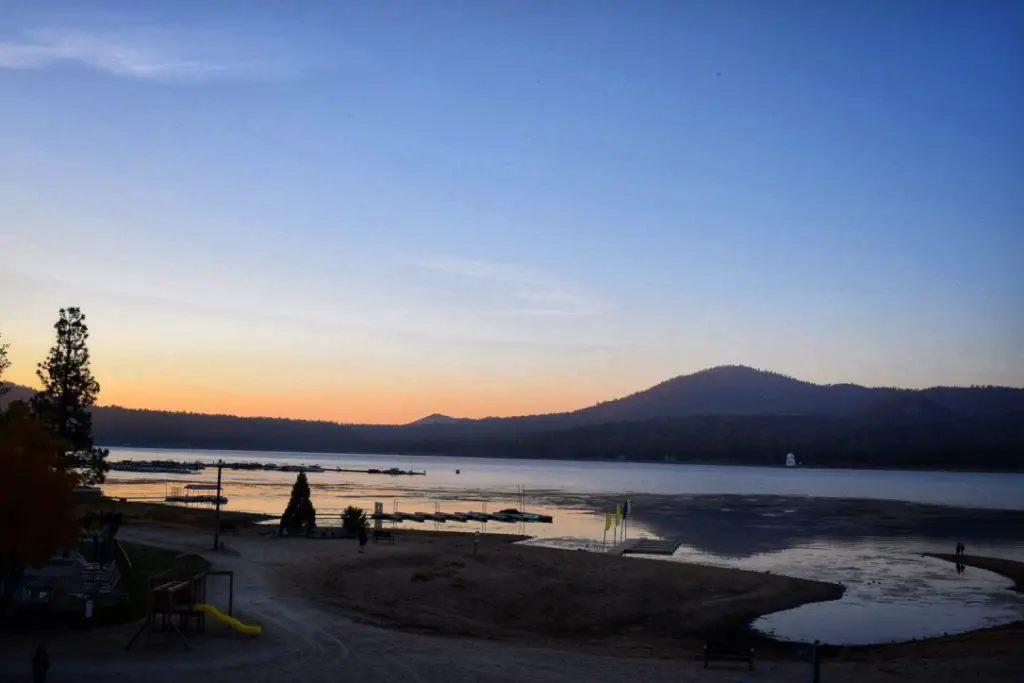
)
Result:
{"points": [[504, 516], [199, 500], [645, 546], [177, 467]]}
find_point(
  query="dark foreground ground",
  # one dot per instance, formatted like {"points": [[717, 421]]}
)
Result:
{"points": [[316, 632]]}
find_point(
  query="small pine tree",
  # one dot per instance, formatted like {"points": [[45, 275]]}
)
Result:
{"points": [[300, 515], [353, 519], [69, 391]]}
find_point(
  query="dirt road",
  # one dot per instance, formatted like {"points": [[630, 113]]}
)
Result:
{"points": [[307, 643]]}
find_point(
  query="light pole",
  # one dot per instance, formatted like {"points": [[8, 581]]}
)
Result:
{"points": [[216, 508]]}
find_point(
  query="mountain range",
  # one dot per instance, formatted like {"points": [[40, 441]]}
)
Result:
{"points": [[731, 414], [740, 390]]}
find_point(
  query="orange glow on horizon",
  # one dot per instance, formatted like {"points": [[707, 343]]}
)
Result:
{"points": [[369, 405]]}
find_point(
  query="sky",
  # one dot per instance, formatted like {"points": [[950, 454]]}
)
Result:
{"points": [[373, 211]]}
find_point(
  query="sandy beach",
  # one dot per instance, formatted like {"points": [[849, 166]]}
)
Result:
{"points": [[324, 620], [592, 601]]}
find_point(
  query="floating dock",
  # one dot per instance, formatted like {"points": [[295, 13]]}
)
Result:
{"points": [[432, 516], [645, 546], [202, 500], [454, 516], [438, 516]]}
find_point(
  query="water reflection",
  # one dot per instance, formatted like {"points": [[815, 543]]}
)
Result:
{"points": [[746, 526], [892, 595], [267, 493], [998, 491]]}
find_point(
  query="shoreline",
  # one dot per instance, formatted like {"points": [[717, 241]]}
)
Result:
{"points": [[839, 467], [659, 629], [989, 641], [969, 643], [1010, 569], [533, 595], [306, 638]]}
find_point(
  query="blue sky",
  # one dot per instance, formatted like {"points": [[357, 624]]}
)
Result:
{"points": [[501, 207]]}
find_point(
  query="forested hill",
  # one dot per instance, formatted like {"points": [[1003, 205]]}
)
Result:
{"points": [[15, 392], [724, 415]]}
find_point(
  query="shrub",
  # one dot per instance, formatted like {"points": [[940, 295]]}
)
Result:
{"points": [[353, 519]]}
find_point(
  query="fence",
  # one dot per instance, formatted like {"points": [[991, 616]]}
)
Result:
{"points": [[100, 578]]}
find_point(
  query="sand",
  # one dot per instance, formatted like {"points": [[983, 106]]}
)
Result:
{"points": [[542, 595], [311, 639]]}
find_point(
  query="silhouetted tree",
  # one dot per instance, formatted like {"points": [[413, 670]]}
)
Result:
{"points": [[69, 391], [300, 515], [353, 519], [37, 503], [4, 364]]}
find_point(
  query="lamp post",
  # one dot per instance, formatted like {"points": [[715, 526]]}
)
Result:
{"points": [[216, 508]]}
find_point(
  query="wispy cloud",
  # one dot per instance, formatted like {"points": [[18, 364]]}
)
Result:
{"points": [[534, 293], [138, 53]]}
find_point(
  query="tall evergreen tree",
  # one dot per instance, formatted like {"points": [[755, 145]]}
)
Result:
{"points": [[4, 364], [69, 391], [300, 515]]}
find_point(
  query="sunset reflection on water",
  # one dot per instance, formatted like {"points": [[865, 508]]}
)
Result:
{"points": [[266, 492]]}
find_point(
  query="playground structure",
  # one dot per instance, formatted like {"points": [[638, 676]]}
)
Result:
{"points": [[176, 605]]}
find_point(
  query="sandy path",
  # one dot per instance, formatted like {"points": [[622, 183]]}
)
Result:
{"points": [[303, 642]]}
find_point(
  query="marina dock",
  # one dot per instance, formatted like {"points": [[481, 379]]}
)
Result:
{"points": [[645, 546], [178, 467], [504, 516]]}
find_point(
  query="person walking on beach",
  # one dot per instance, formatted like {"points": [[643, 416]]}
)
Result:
{"points": [[362, 539], [40, 664]]}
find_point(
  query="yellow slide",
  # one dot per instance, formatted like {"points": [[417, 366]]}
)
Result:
{"points": [[230, 621]]}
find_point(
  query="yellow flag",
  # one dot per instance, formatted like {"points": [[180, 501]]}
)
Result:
{"points": [[607, 521], [618, 514]]}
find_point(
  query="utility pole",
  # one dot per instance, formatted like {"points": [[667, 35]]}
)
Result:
{"points": [[216, 508]]}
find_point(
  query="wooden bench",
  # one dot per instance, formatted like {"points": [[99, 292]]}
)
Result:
{"points": [[715, 650], [381, 535], [229, 528]]}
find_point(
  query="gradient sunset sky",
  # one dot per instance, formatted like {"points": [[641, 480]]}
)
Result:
{"points": [[372, 211]]}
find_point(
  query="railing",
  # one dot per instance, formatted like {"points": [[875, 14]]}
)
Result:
{"points": [[122, 556], [101, 578]]}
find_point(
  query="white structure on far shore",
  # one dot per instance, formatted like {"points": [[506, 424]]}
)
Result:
{"points": [[790, 460]]}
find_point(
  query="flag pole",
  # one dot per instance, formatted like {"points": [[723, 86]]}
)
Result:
{"points": [[607, 525]]}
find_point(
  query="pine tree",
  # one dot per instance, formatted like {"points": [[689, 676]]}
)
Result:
{"points": [[300, 515], [69, 391], [4, 364]]}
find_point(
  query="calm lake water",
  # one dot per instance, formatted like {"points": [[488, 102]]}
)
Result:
{"points": [[863, 528]]}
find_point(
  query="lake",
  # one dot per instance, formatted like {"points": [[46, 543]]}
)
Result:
{"points": [[863, 528]]}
